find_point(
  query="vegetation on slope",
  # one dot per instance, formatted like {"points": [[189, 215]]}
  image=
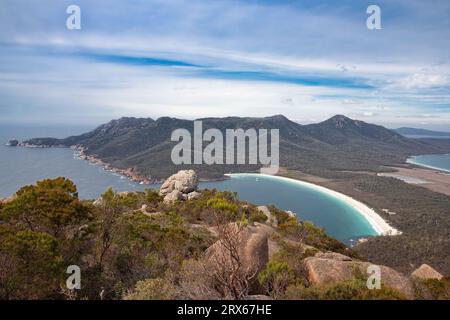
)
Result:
{"points": [[336, 144], [135, 246]]}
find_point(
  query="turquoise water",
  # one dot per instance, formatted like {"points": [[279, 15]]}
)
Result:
{"points": [[22, 166], [434, 161], [340, 220]]}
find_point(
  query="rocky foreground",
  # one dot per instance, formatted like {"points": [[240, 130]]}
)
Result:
{"points": [[179, 242], [259, 242]]}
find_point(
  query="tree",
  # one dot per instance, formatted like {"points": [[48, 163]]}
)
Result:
{"points": [[50, 206], [44, 230], [30, 265]]}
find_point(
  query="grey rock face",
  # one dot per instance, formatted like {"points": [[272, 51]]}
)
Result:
{"points": [[425, 272], [180, 186], [184, 181]]}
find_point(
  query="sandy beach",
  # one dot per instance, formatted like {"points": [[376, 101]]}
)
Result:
{"points": [[435, 180], [375, 220]]}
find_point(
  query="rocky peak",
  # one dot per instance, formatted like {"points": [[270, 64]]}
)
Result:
{"points": [[341, 121]]}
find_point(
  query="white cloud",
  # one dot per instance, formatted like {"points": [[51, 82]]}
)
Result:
{"points": [[422, 81], [407, 62]]}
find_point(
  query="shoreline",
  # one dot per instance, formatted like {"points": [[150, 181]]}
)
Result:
{"points": [[380, 226], [129, 173], [79, 152], [410, 160]]}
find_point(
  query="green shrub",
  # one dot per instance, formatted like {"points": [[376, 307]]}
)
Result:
{"points": [[153, 289], [433, 289], [255, 215], [31, 267], [275, 278], [355, 289], [281, 215], [152, 197]]}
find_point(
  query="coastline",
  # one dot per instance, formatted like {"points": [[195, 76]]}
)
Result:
{"points": [[131, 174], [380, 226], [410, 160]]}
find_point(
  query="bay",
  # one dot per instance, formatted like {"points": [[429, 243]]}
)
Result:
{"points": [[23, 166], [433, 161]]}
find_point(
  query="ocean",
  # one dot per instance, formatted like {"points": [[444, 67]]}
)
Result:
{"points": [[433, 161], [22, 166]]}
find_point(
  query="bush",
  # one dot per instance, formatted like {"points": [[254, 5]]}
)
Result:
{"points": [[281, 215], [307, 233], [355, 289], [152, 197], [153, 289], [433, 289], [30, 265], [275, 278], [255, 215]]}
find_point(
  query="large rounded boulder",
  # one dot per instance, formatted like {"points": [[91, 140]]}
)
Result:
{"points": [[185, 181], [325, 268]]}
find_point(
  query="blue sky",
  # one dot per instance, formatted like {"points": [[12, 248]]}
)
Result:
{"points": [[305, 59]]}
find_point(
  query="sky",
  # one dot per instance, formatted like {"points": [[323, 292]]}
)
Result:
{"points": [[305, 59]]}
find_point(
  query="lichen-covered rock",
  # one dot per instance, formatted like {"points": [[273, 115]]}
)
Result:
{"points": [[425, 272], [173, 196], [185, 181], [332, 255], [271, 219], [325, 268], [193, 195]]}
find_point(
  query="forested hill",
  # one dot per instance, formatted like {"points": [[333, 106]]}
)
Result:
{"points": [[339, 143]]}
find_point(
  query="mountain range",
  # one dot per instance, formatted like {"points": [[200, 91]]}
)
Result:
{"points": [[337, 144]]}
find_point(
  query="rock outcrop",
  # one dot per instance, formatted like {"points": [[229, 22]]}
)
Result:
{"points": [[425, 272], [291, 214], [271, 219], [251, 243], [184, 181], [180, 186], [329, 267], [193, 195], [173, 196]]}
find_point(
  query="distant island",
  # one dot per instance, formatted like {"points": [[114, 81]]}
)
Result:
{"points": [[341, 154], [13, 143]]}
